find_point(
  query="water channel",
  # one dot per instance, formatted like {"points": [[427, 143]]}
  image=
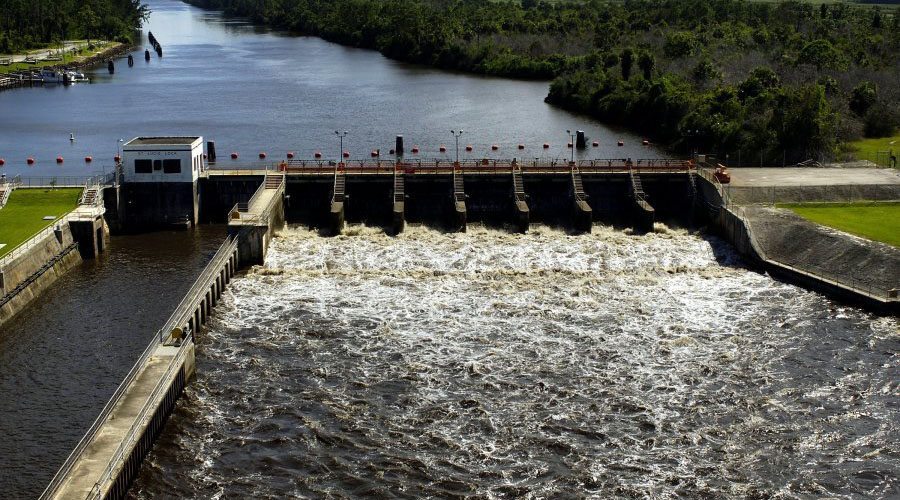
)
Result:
{"points": [[482, 365]]}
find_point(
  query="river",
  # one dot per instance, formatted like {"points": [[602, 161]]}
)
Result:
{"points": [[252, 90], [496, 365], [483, 364]]}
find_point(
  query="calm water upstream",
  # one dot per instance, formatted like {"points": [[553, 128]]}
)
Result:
{"points": [[253, 90], [493, 365], [480, 365]]}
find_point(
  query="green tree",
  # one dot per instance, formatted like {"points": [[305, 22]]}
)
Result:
{"points": [[863, 97]]}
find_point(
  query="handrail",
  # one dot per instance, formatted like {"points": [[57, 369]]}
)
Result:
{"points": [[136, 426], [178, 317], [60, 182], [26, 245], [202, 282], [98, 422]]}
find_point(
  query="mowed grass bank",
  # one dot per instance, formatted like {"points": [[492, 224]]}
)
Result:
{"points": [[878, 221], [23, 215], [868, 149]]}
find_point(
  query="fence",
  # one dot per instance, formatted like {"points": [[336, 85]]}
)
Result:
{"points": [[62, 182]]}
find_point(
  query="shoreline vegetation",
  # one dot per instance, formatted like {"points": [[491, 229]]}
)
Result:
{"points": [[781, 82], [84, 57], [42, 24]]}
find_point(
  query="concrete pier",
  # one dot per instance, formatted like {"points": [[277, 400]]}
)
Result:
{"points": [[254, 223], [109, 456]]}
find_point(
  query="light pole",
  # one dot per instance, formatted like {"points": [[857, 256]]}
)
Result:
{"points": [[572, 144], [341, 135], [120, 141], [456, 136]]}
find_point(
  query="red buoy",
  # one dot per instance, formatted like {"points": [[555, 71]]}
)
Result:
{"points": [[234, 156], [621, 143], [546, 145], [595, 144], [374, 154], [443, 148], [290, 155], [2, 162], [468, 148], [262, 156], [495, 147], [318, 154], [88, 159], [646, 142], [59, 159], [415, 149], [346, 154], [568, 144], [521, 146], [30, 161], [392, 151]]}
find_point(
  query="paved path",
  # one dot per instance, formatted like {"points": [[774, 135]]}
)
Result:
{"points": [[42, 54], [812, 176]]}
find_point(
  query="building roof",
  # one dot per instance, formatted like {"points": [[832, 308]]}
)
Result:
{"points": [[162, 141]]}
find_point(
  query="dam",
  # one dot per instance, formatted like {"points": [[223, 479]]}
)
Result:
{"points": [[433, 362], [331, 198]]}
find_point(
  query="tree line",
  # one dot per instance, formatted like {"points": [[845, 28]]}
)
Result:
{"points": [[27, 24], [788, 77]]}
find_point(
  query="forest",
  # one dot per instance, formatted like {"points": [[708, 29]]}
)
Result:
{"points": [[790, 80], [28, 24]]}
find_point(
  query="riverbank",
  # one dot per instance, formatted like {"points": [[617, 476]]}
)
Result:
{"points": [[785, 245], [644, 65], [20, 75]]}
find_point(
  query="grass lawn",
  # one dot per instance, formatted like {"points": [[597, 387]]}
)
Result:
{"points": [[69, 58], [867, 149], [875, 221], [23, 215]]}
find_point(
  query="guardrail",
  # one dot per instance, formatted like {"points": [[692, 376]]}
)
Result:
{"points": [[189, 302], [179, 317], [31, 242], [242, 209], [61, 182]]}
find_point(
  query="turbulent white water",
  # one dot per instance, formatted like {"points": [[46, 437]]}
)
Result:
{"points": [[496, 365]]}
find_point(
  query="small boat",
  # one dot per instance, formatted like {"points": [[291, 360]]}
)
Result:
{"points": [[50, 75]]}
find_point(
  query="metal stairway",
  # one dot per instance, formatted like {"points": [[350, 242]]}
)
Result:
{"points": [[340, 183], [637, 189], [520, 205], [577, 186]]}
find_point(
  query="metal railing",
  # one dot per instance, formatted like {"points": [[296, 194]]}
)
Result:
{"points": [[33, 241], [137, 426], [189, 302], [61, 181], [486, 165], [180, 316], [242, 209]]}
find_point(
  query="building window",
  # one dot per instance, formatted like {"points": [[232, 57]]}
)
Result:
{"points": [[172, 166], [143, 166]]}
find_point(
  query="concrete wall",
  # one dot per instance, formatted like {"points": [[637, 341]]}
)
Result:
{"points": [[219, 194], [792, 194], [57, 247], [149, 205], [809, 255]]}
